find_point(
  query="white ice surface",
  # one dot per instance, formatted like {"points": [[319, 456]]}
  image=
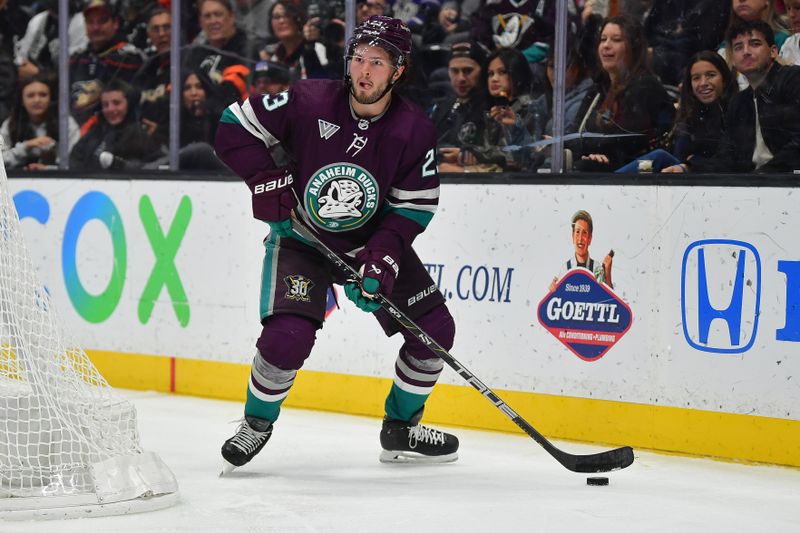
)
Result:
{"points": [[320, 472]]}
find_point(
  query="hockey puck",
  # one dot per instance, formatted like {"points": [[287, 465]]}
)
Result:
{"points": [[597, 481]]}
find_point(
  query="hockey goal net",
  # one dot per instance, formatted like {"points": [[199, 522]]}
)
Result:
{"points": [[69, 443]]}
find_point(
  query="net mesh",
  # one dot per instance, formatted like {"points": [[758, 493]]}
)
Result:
{"points": [[58, 416]]}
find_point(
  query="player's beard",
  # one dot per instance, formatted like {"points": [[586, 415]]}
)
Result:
{"points": [[367, 98]]}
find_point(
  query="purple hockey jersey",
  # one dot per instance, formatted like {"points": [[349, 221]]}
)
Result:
{"points": [[358, 182]]}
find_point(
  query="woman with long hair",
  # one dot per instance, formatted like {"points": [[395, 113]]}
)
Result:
{"points": [[708, 86], [200, 111], [630, 112], [30, 133]]}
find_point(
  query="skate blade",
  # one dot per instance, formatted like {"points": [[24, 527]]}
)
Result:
{"points": [[398, 456], [227, 468]]}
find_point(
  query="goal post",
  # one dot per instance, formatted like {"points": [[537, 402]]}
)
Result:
{"points": [[69, 444]]}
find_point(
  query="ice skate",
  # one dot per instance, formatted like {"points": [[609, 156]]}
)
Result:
{"points": [[405, 442], [252, 435]]}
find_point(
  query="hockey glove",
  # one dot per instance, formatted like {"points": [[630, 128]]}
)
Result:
{"points": [[273, 199], [379, 271]]}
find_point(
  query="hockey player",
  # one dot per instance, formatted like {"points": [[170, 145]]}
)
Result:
{"points": [[363, 177]]}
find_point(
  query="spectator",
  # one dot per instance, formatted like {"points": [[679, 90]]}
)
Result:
{"points": [[763, 121], [159, 31], [269, 78], [706, 91], [199, 119], [304, 59], [707, 88], [459, 117], [764, 10], [751, 10], [508, 121], [153, 79], [449, 26], [578, 83], [199, 112], [629, 100], [790, 51], [30, 134], [114, 138], [220, 51], [676, 29], [108, 56], [366, 8]]}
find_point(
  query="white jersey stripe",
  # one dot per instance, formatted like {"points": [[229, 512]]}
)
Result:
{"points": [[412, 206], [266, 397], [247, 118], [250, 113], [267, 383], [425, 194], [413, 374], [413, 389]]}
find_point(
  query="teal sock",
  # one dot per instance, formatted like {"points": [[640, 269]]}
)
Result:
{"points": [[402, 405], [261, 409]]}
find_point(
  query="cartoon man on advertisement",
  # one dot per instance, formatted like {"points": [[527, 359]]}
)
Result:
{"points": [[582, 228], [581, 310]]}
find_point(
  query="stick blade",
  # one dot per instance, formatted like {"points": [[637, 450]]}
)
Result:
{"points": [[606, 461]]}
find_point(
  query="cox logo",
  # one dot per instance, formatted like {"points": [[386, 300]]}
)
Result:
{"points": [[165, 242], [720, 295]]}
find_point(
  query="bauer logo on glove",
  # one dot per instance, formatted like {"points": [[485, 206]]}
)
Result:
{"points": [[274, 184], [272, 196]]}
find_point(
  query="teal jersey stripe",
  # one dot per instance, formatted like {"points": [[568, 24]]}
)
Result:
{"points": [[229, 118], [268, 275], [261, 409], [422, 218], [402, 405]]}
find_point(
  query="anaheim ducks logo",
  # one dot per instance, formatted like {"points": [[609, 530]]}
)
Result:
{"points": [[341, 197]]}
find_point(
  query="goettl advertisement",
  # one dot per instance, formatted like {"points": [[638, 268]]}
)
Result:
{"points": [[581, 310]]}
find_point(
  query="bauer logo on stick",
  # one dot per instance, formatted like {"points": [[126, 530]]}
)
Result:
{"points": [[586, 316]]}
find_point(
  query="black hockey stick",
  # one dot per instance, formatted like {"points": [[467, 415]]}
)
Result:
{"points": [[598, 462]]}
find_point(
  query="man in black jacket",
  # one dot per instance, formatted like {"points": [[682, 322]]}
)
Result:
{"points": [[459, 118], [763, 121], [108, 56]]}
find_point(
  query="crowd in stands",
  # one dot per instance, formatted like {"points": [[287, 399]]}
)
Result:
{"points": [[650, 85]]}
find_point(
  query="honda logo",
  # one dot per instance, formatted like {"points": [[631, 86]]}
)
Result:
{"points": [[720, 295]]}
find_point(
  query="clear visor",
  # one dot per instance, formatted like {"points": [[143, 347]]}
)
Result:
{"points": [[365, 39]]}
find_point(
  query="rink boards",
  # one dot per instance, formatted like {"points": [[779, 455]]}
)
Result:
{"points": [[159, 281]]}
